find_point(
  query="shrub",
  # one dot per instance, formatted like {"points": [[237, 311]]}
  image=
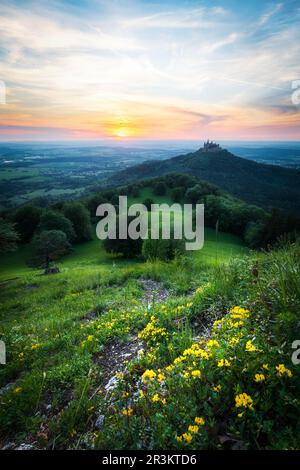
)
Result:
{"points": [[162, 249], [128, 248]]}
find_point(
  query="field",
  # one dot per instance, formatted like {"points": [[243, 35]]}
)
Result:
{"points": [[217, 248], [82, 345], [116, 353], [55, 171]]}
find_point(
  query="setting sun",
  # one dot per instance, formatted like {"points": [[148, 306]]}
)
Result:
{"points": [[121, 132]]}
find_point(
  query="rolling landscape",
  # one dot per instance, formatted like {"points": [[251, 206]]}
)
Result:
{"points": [[110, 329], [114, 336]]}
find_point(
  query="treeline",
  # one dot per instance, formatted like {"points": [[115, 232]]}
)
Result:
{"points": [[257, 227], [53, 230]]}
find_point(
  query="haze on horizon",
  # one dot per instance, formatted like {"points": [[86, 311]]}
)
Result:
{"points": [[132, 69]]}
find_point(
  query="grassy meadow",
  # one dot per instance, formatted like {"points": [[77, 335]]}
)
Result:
{"points": [[114, 353]]}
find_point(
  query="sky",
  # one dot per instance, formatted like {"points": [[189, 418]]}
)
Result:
{"points": [[131, 69]]}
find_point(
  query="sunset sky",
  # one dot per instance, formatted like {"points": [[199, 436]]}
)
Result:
{"points": [[149, 70]]}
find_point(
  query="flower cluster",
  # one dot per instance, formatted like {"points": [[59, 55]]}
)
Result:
{"points": [[187, 437], [152, 334], [282, 370], [243, 400]]}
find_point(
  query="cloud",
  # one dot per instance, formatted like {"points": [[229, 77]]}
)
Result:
{"points": [[166, 70], [266, 17]]}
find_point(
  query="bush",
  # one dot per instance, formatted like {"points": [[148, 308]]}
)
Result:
{"points": [[128, 248], [162, 249]]}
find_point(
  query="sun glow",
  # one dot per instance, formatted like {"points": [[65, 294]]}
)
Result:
{"points": [[122, 132]]}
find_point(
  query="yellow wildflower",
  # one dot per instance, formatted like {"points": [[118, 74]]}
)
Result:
{"points": [[250, 347], [199, 420], [187, 437], [196, 373], [224, 363], [239, 313], [18, 390], [212, 343], [234, 340], [282, 370], [127, 412], [193, 428], [243, 400], [148, 375], [259, 377]]}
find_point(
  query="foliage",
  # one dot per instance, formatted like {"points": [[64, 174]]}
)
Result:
{"points": [[80, 219], [27, 219], [162, 249], [8, 237], [255, 183], [160, 188], [48, 246], [128, 247], [52, 220], [148, 203]]}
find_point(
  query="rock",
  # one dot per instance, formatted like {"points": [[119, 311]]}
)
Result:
{"points": [[6, 388], [8, 446], [24, 446], [99, 422], [111, 384]]}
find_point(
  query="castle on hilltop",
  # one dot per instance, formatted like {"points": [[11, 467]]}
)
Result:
{"points": [[211, 146]]}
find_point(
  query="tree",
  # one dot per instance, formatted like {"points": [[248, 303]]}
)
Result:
{"points": [[95, 201], [160, 188], [177, 194], [148, 203], [195, 193], [162, 249], [80, 218], [27, 219], [8, 237], [128, 248], [51, 220], [48, 246]]}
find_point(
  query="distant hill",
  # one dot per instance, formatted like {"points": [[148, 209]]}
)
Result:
{"points": [[256, 183]]}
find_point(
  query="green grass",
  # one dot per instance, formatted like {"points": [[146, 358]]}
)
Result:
{"points": [[59, 331], [216, 249], [53, 341]]}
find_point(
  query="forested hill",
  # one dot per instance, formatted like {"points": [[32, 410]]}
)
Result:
{"points": [[256, 183]]}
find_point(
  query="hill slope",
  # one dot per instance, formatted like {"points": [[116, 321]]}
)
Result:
{"points": [[256, 183]]}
